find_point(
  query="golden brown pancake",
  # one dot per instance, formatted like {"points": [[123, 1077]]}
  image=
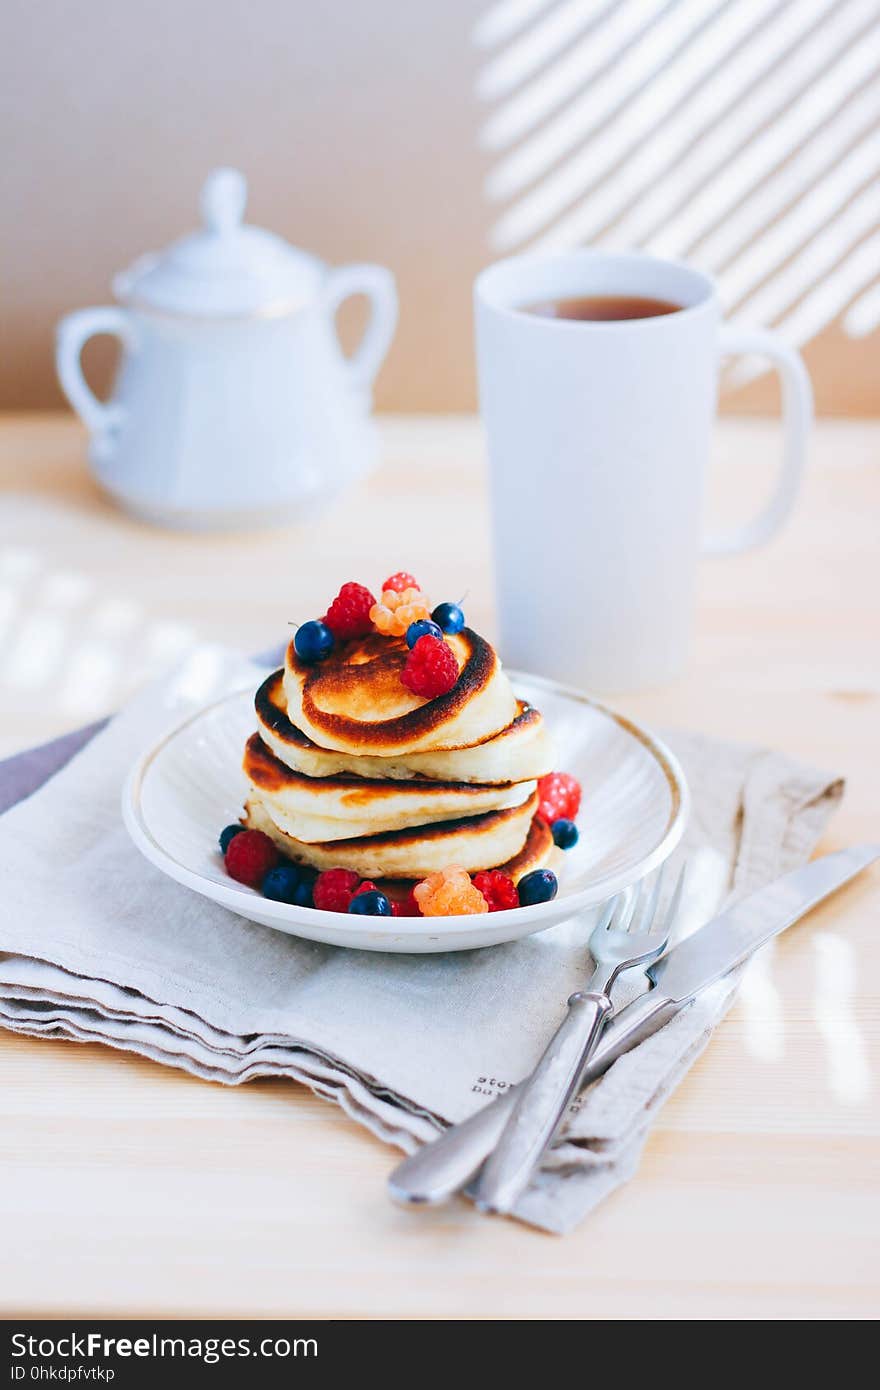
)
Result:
{"points": [[537, 853], [355, 701], [523, 751], [474, 842], [337, 808], [350, 769]]}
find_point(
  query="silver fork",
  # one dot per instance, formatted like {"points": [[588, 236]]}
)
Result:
{"points": [[626, 935]]}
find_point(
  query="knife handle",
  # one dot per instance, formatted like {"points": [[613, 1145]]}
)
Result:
{"points": [[449, 1163], [541, 1103]]}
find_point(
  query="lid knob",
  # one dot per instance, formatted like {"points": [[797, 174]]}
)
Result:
{"points": [[224, 194], [228, 267]]}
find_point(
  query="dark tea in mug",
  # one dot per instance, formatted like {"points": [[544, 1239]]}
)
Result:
{"points": [[602, 308]]}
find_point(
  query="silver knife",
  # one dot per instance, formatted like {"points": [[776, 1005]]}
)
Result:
{"points": [[440, 1169]]}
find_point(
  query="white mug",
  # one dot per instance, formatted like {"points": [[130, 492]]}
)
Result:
{"points": [[598, 436]]}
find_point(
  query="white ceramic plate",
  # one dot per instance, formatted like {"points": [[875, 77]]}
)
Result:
{"points": [[183, 791]]}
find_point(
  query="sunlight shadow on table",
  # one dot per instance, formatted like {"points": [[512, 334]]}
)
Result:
{"points": [[834, 1005], [65, 646]]}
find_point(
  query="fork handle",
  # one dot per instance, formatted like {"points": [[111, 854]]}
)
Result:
{"points": [[436, 1171], [541, 1103]]}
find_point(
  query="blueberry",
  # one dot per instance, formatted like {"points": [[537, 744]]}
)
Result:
{"points": [[565, 833], [449, 617], [303, 895], [423, 628], [370, 904], [228, 835], [282, 883], [537, 887], [313, 641]]}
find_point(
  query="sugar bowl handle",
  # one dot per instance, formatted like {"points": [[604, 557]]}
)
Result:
{"points": [[378, 285], [101, 419]]}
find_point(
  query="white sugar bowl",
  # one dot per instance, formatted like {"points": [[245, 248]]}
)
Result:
{"points": [[234, 404]]}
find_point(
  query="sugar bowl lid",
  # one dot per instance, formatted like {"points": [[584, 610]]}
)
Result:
{"points": [[228, 268]]}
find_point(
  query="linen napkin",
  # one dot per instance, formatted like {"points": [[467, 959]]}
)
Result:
{"points": [[96, 945]]}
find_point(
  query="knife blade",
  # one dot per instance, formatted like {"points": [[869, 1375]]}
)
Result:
{"points": [[438, 1170]]}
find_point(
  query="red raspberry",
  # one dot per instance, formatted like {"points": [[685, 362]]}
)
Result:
{"points": [[349, 613], [431, 668], [400, 581], [250, 856], [560, 797], [498, 890], [407, 907], [368, 886], [334, 889]]}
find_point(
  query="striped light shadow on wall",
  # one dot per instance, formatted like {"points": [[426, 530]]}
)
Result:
{"points": [[743, 135]]}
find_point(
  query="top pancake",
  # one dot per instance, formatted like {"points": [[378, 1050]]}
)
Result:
{"points": [[521, 752], [354, 701]]}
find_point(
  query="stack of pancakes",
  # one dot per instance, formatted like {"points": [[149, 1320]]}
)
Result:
{"points": [[349, 768]]}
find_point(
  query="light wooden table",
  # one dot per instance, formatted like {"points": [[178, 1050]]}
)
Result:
{"points": [[129, 1188]]}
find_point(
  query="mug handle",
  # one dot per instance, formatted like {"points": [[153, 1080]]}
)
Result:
{"points": [[378, 285], [72, 334], [797, 415]]}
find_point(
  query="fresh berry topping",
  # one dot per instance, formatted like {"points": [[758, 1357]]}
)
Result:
{"points": [[400, 581], [368, 886], [402, 598], [423, 628], [408, 906], [303, 894], [408, 614], [394, 612], [431, 668], [382, 619], [349, 613], [281, 883], [250, 856], [370, 904], [313, 641], [449, 617], [537, 887], [334, 889], [498, 890], [560, 797], [449, 893], [565, 833], [229, 834]]}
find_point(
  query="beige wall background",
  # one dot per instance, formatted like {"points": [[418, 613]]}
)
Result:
{"points": [[357, 125]]}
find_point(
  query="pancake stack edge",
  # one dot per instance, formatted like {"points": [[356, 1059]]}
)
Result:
{"points": [[348, 769]]}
